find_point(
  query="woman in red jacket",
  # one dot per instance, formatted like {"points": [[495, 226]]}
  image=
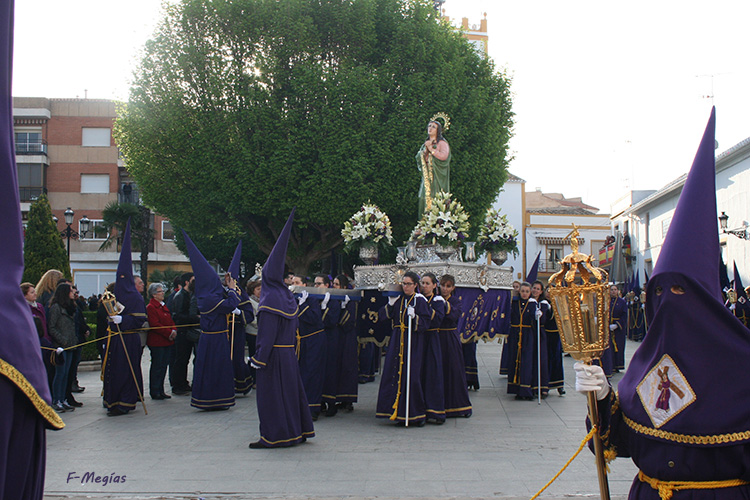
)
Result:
{"points": [[160, 340]]}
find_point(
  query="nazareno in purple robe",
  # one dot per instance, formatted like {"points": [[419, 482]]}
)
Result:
{"points": [[312, 347], [341, 385], [123, 380], [392, 392], [242, 375], [457, 403], [432, 363], [24, 391], [213, 375], [522, 355], [618, 310], [283, 409]]}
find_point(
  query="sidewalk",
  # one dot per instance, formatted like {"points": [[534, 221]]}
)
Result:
{"points": [[507, 450]]}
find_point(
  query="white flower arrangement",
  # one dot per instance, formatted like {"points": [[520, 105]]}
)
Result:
{"points": [[496, 233], [445, 223], [368, 224]]}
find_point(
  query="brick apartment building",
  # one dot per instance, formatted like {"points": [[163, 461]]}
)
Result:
{"points": [[65, 148]]}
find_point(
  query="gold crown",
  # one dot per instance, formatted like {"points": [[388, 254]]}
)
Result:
{"points": [[446, 120]]}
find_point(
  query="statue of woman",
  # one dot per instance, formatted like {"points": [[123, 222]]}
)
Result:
{"points": [[434, 161]]}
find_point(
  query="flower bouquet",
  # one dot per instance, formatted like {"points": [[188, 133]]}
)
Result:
{"points": [[496, 234], [446, 223], [366, 229]]}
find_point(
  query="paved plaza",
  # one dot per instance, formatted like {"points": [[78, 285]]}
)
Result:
{"points": [[507, 450]]}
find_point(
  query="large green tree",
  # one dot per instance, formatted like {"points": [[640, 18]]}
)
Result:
{"points": [[43, 247], [243, 109]]}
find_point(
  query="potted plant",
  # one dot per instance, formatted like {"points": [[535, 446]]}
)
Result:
{"points": [[365, 230], [445, 224], [497, 237]]}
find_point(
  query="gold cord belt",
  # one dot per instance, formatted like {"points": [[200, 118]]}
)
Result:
{"points": [[276, 345], [222, 331], [667, 488]]}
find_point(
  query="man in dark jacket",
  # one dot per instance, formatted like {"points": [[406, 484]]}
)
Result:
{"points": [[187, 340]]}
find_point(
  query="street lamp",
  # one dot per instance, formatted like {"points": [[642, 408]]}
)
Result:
{"points": [[68, 232], [741, 233]]}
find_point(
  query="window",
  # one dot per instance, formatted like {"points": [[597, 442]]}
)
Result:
{"points": [[665, 226], [31, 180], [29, 143], [96, 137], [94, 183], [96, 231], [554, 256], [167, 233]]}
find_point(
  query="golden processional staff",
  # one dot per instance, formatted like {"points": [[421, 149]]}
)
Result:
{"points": [[581, 307]]}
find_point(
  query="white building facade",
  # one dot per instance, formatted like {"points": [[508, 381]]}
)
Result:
{"points": [[510, 202]]}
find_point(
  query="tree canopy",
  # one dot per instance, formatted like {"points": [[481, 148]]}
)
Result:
{"points": [[243, 109], [43, 247]]}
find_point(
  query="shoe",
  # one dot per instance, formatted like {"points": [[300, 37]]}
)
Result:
{"points": [[165, 396], [560, 391], [75, 404], [77, 388], [331, 412], [115, 412], [67, 406], [157, 397], [315, 417], [324, 406], [257, 445], [181, 392], [420, 423], [58, 407], [349, 407]]}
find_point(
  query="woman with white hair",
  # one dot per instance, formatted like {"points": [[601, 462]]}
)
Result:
{"points": [[160, 340]]}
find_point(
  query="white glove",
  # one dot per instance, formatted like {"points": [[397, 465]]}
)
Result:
{"points": [[612, 327], [60, 350], [438, 298], [545, 303], [538, 314], [532, 300], [236, 311], [254, 365], [591, 378], [410, 311], [345, 301], [392, 300], [327, 297], [732, 307], [643, 306], [116, 319], [303, 297]]}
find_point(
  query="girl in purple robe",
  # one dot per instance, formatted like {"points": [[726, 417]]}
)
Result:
{"points": [[457, 402], [432, 364], [392, 393]]}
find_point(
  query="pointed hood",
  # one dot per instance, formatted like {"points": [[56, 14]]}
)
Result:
{"points": [[531, 276], [694, 344], [738, 284], [724, 282], [19, 349], [208, 288], [636, 287], [694, 225], [234, 266], [125, 290], [275, 297]]}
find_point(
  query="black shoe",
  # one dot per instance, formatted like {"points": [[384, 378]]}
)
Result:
{"points": [[560, 391], [420, 423], [157, 397], [257, 445], [77, 388], [181, 392], [315, 417], [165, 396], [332, 411], [349, 407], [115, 412], [76, 404], [67, 406]]}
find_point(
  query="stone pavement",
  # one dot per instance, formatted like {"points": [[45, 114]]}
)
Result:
{"points": [[507, 450]]}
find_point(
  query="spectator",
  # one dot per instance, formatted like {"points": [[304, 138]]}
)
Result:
{"points": [[40, 321], [47, 286], [160, 340], [176, 287], [62, 330], [187, 336]]}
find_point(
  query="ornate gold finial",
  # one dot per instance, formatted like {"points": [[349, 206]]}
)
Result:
{"points": [[258, 270], [111, 305], [446, 120]]}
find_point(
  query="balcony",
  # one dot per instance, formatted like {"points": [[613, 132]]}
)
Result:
{"points": [[31, 147], [29, 194], [549, 266]]}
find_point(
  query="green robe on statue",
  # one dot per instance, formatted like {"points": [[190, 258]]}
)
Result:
{"points": [[436, 177]]}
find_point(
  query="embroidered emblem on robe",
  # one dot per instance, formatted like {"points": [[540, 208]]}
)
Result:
{"points": [[665, 392]]}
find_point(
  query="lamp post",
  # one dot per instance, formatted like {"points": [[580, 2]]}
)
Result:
{"points": [[741, 233], [68, 232]]}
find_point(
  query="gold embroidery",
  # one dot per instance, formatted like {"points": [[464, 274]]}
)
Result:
{"points": [[734, 437], [25, 386]]}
